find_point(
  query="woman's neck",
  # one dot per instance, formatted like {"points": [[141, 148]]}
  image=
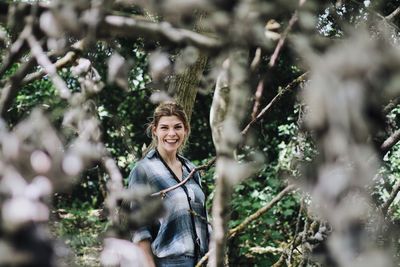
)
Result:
{"points": [[169, 158]]}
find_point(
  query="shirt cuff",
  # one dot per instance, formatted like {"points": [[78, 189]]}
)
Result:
{"points": [[141, 235]]}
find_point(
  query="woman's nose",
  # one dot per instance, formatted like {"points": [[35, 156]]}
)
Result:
{"points": [[171, 132]]}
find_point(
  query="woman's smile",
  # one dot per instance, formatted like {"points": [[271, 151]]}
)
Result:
{"points": [[170, 133]]}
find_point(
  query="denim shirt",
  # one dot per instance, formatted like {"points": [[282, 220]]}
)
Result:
{"points": [[173, 235]]}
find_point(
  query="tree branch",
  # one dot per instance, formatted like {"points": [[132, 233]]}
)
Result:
{"points": [[67, 59], [48, 66], [282, 40], [393, 14], [161, 31], [393, 194], [202, 167], [299, 79], [234, 231], [390, 142], [11, 88], [283, 37]]}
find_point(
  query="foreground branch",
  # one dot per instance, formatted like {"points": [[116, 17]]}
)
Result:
{"points": [[393, 14], [130, 27], [48, 66]]}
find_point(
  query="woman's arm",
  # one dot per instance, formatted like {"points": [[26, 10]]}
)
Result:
{"points": [[145, 245]]}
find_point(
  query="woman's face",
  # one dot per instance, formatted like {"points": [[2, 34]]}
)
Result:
{"points": [[170, 133]]}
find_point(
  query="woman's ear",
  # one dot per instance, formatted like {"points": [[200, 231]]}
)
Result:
{"points": [[153, 130]]}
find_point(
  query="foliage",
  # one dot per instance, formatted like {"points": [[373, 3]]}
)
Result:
{"points": [[79, 226], [279, 135]]}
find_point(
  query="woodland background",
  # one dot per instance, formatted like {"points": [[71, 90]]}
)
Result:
{"points": [[300, 160]]}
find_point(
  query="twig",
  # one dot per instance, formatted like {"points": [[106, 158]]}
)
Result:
{"points": [[67, 59], [372, 11], [282, 40], [202, 167], [161, 31], [14, 52], [283, 37], [280, 93], [390, 142], [14, 83], [296, 232], [392, 196], [49, 68], [260, 212], [393, 14], [233, 232], [257, 98]]}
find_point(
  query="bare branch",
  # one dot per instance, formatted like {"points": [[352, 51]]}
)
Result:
{"points": [[48, 66], [15, 50], [130, 27], [12, 86], [390, 142], [393, 14], [69, 58], [202, 167], [393, 194], [296, 81], [282, 40]]}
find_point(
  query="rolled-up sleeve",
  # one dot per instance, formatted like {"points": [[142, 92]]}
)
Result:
{"points": [[141, 234]]}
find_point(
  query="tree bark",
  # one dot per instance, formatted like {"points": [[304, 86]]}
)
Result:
{"points": [[185, 85]]}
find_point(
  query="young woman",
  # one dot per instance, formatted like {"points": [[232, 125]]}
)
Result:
{"points": [[180, 238]]}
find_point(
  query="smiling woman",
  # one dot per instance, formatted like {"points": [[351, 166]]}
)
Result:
{"points": [[180, 237]]}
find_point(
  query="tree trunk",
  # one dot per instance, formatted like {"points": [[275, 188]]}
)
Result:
{"points": [[185, 85]]}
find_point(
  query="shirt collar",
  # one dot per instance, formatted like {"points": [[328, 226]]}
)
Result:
{"points": [[151, 153]]}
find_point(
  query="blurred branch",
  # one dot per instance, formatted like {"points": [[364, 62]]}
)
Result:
{"points": [[393, 14], [21, 76], [379, 15], [234, 231], [296, 81], [67, 59], [162, 31], [11, 88], [49, 68], [16, 50]]}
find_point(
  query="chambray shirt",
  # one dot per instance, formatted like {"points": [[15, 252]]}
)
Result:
{"points": [[173, 234]]}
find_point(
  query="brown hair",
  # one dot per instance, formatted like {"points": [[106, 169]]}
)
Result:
{"points": [[162, 110]]}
